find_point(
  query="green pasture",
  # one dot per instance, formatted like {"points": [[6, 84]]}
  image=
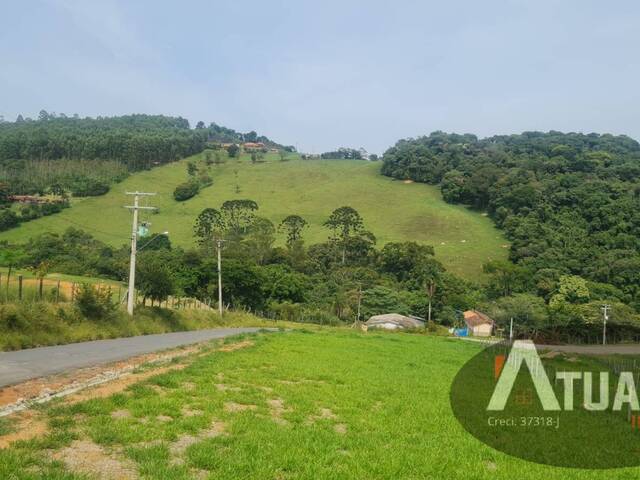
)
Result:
{"points": [[392, 210]]}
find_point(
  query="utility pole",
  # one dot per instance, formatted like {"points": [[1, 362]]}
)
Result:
{"points": [[219, 243], [605, 317], [431, 290], [511, 330], [359, 301], [134, 244]]}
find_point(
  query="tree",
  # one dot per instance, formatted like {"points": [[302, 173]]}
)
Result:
{"points": [[528, 312], [260, 239], [239, 215], [209, 226], [233, 150], [157, 241], [154, 279], [293, 226], [505, 278], [381, 299], [571, 289], [404, 259], [200, 125], [344, 222], [5, 192]]}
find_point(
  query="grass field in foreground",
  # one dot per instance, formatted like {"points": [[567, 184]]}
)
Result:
{"points": [[392, 210], [291, 405]]}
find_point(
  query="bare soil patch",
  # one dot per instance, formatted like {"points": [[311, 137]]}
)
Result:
{"points": [[86, 457], [28, 425], [236, 346], [233, 407]]}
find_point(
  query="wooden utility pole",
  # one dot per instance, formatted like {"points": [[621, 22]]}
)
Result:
{"points": [[134, 244]]}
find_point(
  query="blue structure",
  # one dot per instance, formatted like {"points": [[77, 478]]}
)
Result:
{"points": [[461, 332]]}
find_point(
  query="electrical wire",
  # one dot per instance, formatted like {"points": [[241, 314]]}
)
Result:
{"points": [[91, 229]]}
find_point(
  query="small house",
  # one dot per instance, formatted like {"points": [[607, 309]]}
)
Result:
{"points": [[478, 324], [394, 321]]}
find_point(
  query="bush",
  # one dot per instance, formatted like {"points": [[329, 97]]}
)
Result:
{"points": [[321, 317], [30, 212], [8, 219], [233, 150], [205, 179], [286, 310], [186, 190], [51, 208], [88, 187], [94, 303]]}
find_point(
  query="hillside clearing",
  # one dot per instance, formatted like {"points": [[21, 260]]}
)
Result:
{"points": [[392, 210]]}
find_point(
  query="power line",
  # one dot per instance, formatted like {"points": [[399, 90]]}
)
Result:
{"points": [[91, 229]]}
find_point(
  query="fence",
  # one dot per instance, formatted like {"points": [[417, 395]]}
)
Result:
{"points": [[21, 287]]}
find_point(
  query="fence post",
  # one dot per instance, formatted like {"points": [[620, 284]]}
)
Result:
{"points": [[58, 292], [19, 287], [40, 288]]}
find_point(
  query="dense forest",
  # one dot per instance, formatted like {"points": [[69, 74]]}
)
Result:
{"points": [[567, 202], [43, 162], [69, 150]]}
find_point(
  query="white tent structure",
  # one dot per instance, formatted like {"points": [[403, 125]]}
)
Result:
{"points": [[394, 321]]}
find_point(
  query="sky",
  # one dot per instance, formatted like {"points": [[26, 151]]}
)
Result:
{"points": [[325, 74]]}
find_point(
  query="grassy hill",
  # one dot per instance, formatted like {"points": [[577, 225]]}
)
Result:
{"points": [[392, 210]]}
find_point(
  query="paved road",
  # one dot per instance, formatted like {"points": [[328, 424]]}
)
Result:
{"points": [[16, 367]]}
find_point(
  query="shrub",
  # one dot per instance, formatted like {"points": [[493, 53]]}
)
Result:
{"points": [[30, 212], [321, 317], [94, 303], [186, 190], [51, 208], [88, 187], [233, 150], [8, 219], [205, 179]]}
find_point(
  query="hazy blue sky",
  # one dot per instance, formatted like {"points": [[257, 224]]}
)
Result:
{"points": [[325, 73]]}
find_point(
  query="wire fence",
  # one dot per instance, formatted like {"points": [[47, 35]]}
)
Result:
{"points": [[24, 288]]}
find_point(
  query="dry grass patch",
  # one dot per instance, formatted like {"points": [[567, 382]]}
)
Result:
{"points": [[86, 457], [25, 426], [231, 347], [233, 407], [119, 414]]}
